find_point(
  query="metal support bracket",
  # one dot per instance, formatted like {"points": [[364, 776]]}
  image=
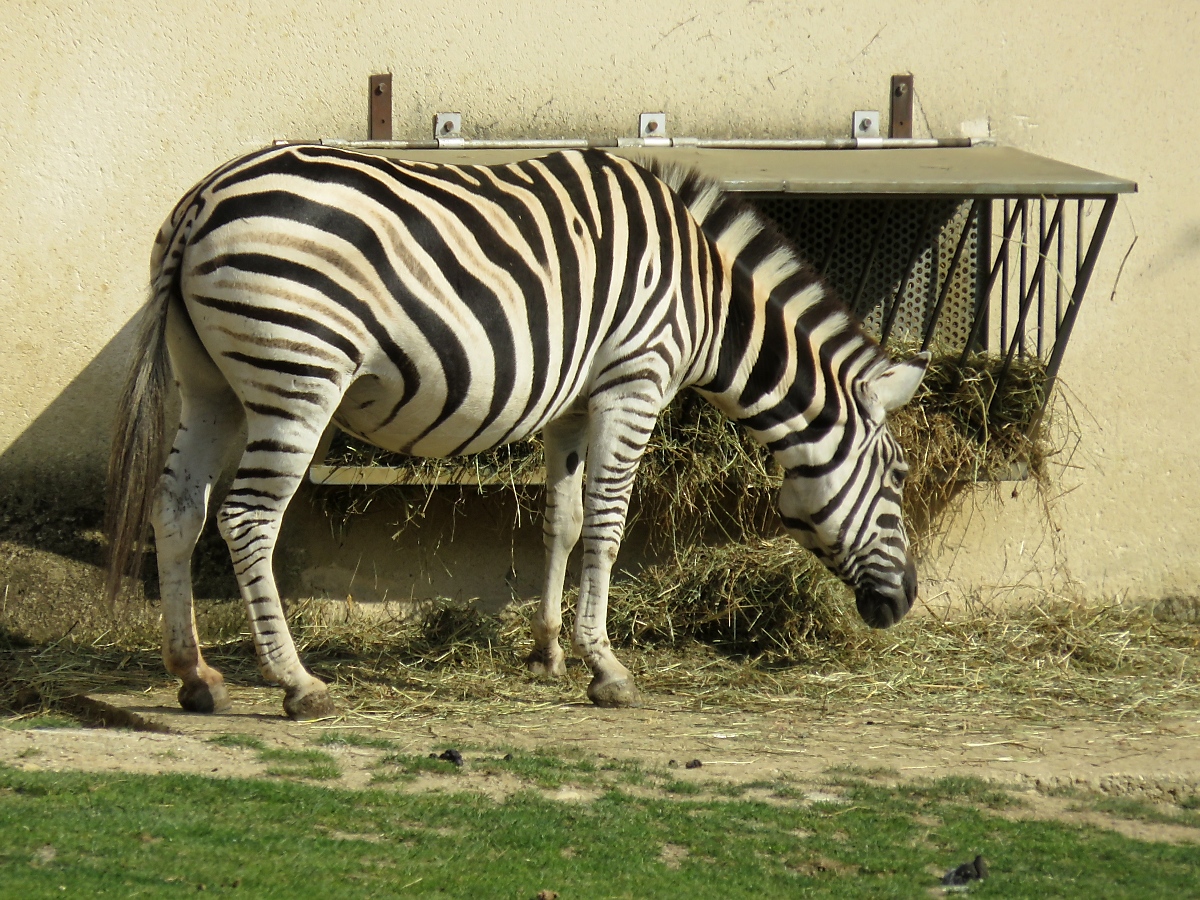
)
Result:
{"points": [[652, 132], [866, 124], [652, 125], [865, 129], [902, 107], [447, 129], [380, 103]]}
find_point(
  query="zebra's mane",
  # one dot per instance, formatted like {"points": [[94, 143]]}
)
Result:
{"points": [[726, 216]]}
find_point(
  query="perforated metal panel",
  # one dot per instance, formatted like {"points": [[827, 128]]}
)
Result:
{"points": [[876, 251]]}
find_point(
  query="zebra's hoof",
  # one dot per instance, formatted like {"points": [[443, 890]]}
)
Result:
{"points": [[547, 662], [622, 694], [316, 704], [202, 697]]}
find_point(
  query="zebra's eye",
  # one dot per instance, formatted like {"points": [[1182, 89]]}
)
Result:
{"points": [[899, 476]]}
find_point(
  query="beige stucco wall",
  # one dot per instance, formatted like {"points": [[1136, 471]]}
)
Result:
{"points": [[112, 109]]}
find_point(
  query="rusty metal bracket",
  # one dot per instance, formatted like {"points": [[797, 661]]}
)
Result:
{"points": [[902, 107], [380, 102]]}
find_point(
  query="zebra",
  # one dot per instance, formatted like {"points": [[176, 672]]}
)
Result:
{"points": [[437, 309]]}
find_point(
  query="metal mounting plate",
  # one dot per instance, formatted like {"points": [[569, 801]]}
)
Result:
{"points": [[652, 125], [380, 103], [900, 125], [447, 125], [866, 124]]}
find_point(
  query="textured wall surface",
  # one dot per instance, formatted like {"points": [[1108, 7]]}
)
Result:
{"points": [[112, 109]]}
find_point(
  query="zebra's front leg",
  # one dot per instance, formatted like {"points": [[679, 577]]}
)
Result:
{"points": [[618, 439], [565, 447]]}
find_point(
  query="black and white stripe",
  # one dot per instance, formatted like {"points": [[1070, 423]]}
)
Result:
{"points": [[438, 310]]}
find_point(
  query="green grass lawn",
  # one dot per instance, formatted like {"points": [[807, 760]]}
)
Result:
{"points": [[70, 834]]}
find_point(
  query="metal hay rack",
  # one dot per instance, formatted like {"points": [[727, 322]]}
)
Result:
{"points": [[934, 244]]}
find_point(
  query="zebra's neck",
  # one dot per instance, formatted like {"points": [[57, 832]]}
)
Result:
{"points": [[787, 353], [791, 386]]}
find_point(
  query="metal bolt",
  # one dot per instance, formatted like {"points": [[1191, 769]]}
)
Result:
{"points": [[652, 126], [379, 90], [901, 89], [864, 125], [447, 126]]}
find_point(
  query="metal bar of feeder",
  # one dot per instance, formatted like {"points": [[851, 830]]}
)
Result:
{"points": [[884, 214], [1078, 237], [981, 301], [983, 254], [1058, 277], [1077, 292], [918, 245], [819, 143], [958, 251], [389, 475], [1019, 328], [1041, 294], [477, 144], [697, 143], [1004, 282], [1023, 312]]}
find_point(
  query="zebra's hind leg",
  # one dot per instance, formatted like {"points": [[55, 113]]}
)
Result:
{"points": [[209, 435], [279, 445], [566, 446], [619, 431]]}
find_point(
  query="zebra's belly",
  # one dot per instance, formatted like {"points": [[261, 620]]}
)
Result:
{"points": [[369, 410]]}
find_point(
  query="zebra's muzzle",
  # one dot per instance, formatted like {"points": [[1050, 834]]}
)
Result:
{"points": [[882, 606]]}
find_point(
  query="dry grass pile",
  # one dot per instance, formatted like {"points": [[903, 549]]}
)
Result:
{"points": [[766, 599], [765, 627], [1109, 661], [1104, 661]]}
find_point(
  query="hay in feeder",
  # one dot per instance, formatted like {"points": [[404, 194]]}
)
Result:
{"points": [[512, 464]]}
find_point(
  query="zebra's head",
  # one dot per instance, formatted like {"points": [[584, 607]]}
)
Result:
{"points": [[846, 508]]}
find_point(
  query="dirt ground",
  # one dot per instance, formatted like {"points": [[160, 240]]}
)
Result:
{"points": [[1158, 764]]}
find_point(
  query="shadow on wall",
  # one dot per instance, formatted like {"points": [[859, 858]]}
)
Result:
{"points": [[52, 482], [60, 457], [52, 502]]}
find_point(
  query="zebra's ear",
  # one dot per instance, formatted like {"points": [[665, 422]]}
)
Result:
{"points": [[896, 385]]}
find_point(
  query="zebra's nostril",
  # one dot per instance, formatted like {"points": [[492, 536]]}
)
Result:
{"points": [[910, 584], [874, 608]]}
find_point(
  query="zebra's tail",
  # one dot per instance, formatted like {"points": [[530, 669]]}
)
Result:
{"points": [[136, 460]]}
